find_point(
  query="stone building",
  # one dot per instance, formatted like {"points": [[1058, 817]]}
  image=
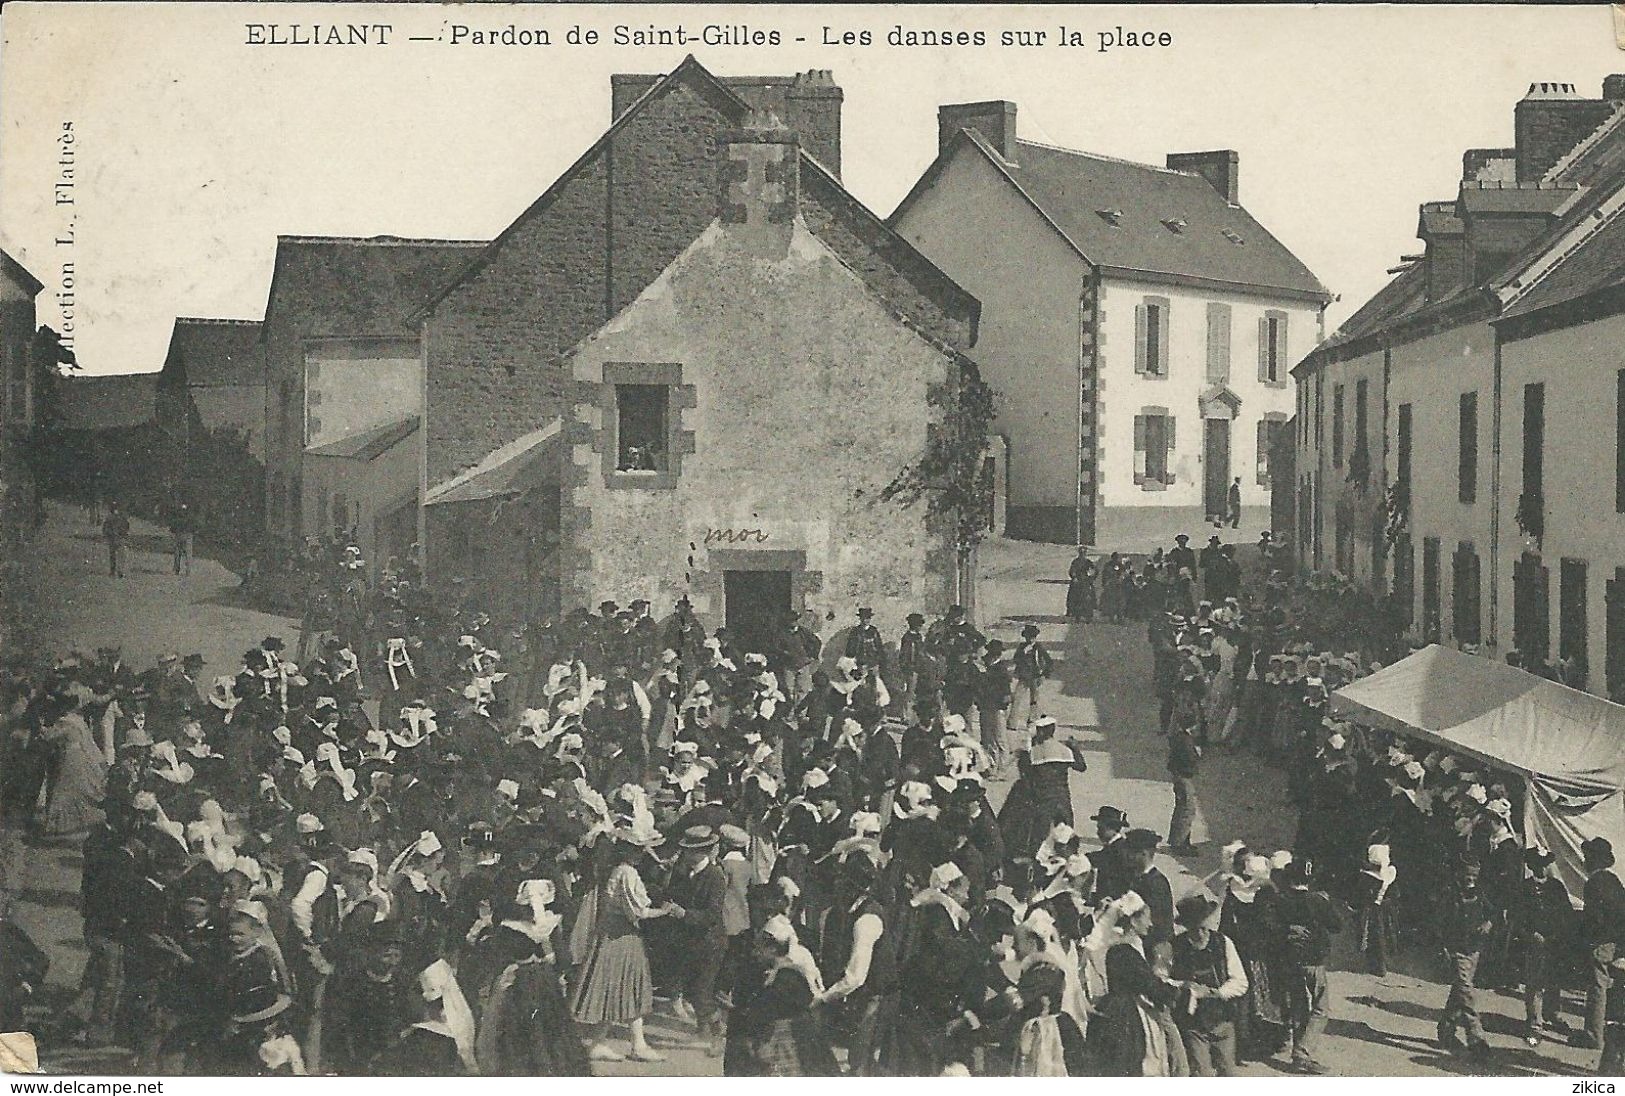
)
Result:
{"points": [[1138, 325], [1431, 462], [18, 288], [717, 362], [215, 370], [344, 368]]}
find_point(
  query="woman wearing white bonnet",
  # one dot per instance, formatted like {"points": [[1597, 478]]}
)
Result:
{"points": [[1376, 923]]}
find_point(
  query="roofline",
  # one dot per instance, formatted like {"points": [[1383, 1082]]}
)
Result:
{"points": [[496, 458], [1598, 304], [371, 241], [1478, 305], [406, 426], [898, 239], [940, 164], [1323, 297], [1511, 287], [488, 252], [33, 284], [1251, 289], [211, 320]]}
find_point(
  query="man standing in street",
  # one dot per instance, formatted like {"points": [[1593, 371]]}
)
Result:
{"points": [[1603, 921], [699, 890], [1032, 665], [1469, 920], [1233, 503], [910, 652], [1308, 920], [115, 529], [994, 693], [181, 529], [1184, 758]]}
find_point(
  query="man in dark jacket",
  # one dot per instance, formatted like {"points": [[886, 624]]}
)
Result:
{"points": [[1113, 875], [910, 652], [1308, 921], [1469, 920], [1602, 925], [1140, 849], [1543, 930], [698, 888], [1184, 756], [994, 693]]}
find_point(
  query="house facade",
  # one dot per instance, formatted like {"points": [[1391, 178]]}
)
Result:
{"points": [[1481, 513], [18, 288], [1138, 325], [342, 362], [723, 361]]}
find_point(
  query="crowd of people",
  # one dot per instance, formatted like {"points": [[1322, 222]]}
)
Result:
{"points": [[422, 844]]}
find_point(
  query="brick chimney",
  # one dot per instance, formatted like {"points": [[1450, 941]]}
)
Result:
{"points": [[1489, 165], [1219, 168], [1445, 258], [995, 120], [1549, 121], [759, 182], [808, 103], [1613, 87], [812, 106]]}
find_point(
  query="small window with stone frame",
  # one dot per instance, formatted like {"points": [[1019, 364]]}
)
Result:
{"points": [[641, 427]]}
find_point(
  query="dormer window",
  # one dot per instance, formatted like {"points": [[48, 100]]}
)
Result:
{"points": [[1176, 225], [1234, 237], [1113, 217]]}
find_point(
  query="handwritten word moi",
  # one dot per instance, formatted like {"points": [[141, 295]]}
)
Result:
{"points": [[735, 536]]}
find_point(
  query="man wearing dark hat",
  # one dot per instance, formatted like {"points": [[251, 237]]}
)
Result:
{"points": [[797, 654], [1031, 665], [1602, 926], [1182, 556], [1469, 920], [1207, 963], [1147, 880], [1184, 759], [1543, 929], [1308, 919], [995, 689], [369, 1000], [1113, 875], [699, 890], [865, 643], [910, 649]]}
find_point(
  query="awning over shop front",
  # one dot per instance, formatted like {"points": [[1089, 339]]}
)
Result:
{"points": [[1569, 746], [505, 472]]}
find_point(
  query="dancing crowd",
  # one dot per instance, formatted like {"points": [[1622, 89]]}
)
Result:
{"points": [[424, 844]]}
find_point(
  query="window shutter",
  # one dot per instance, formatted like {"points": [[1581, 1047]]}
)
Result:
{"points": [[1218, 342], [1164, 364], [1264, 439], [1168, 452], [1139, 449], [1263, 348], [1283, 364], [1139, 338]]}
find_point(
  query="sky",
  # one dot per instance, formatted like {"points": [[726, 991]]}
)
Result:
{"points": [[193, 150]]}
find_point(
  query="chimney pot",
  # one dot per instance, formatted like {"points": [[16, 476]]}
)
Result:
{"points": [[994, 120], [1219, 167]]}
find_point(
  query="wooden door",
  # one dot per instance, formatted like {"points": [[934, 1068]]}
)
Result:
{"points": [[1215, 465]]}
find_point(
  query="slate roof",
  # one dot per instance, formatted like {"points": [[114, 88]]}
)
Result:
{"points": [[21, 273], [1573, 189], [1596, 265], [1075, 190], [927, 284], [217, 353], [108, 402], [499, 475], [362, 286], [370, 444]]}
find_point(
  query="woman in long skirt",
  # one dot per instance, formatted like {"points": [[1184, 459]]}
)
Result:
{"points": [[614, 985], [73, 806]]}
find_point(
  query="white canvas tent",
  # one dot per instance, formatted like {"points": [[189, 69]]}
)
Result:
{"points": [[1567, 746]]}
